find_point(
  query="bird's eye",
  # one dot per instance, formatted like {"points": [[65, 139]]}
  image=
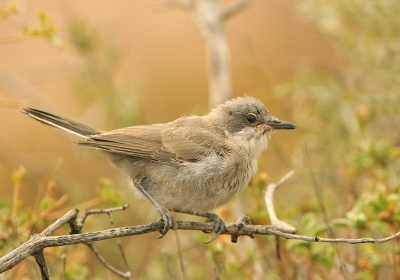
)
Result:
{"points": [[251, 118]]}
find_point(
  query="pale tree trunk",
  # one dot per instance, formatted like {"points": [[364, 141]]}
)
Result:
{"points": [[209, 16]]}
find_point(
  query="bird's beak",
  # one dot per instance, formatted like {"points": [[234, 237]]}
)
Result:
{"points": [[278, 124]]}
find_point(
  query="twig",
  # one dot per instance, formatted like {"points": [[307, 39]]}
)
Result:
{"points": [[271, 188], [234, 7], [101, 211], [321, 203], [76, 227], [67, 218], [43, 240], [126, 275], [165, 256], [277, 248], [44, 272], [121, 249], [40, 260], [182, 267], [63, 257]]}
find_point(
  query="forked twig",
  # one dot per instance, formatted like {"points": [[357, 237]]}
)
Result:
{"points": [[269, 201], [77, 227]]}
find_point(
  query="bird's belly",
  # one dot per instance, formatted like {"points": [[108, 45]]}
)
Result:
{"points": [[198, 189]]}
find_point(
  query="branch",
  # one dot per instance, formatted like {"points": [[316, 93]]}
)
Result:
{"points": [[76, 227], [40, 241], [234, 7], [126, 275], [41, 262], [271, 188], [209, 17]]}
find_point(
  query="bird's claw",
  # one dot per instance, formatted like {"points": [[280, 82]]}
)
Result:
{"points": [[169, 223], [219, 228]]}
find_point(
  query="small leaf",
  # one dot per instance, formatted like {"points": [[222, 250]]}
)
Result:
{"points": [[341, 222], [18, 175]]}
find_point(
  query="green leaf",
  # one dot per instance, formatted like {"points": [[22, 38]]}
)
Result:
{"points": [[341, 222]]}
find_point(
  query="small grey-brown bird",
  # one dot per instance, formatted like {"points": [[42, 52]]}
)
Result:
{"points": [[190, 165]]}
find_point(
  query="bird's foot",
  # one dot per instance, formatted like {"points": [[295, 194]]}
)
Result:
{"points": [[169, 223], [219, 228]]}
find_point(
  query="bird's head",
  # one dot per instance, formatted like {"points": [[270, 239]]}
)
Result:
{"points": [[246, 119]]}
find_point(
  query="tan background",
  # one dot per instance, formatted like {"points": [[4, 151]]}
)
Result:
{"points": [[161, 48], [164, 52]]}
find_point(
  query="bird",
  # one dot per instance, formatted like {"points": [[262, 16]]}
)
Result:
{"points": [[191, 165]]}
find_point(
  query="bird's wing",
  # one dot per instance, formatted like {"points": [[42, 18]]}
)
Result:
{"points": [[190, 143], [136, 141], [160, 142]]}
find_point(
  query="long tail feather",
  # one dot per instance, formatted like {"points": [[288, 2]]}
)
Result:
{"points": [[60, 122]]}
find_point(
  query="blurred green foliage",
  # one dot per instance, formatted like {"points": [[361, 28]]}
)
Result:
{"points": [[17, 222], [46, 30], [348, 118], [100, 80]]}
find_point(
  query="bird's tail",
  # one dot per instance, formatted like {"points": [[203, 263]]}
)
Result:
{"points": [[59, 122]]}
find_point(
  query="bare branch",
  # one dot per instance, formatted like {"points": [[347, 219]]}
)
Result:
{"points": [[271, 188], [121, 249], [126, 275], [333, 240], [234, 7], [178, 4], [180, 257], [67, 218], [44, 272], [101, 211], [76, 227], [63, 257], [41, 262], [38, 242], [209, 16]]}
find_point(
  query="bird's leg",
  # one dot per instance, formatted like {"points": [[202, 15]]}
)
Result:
{"points": [[211, 217], [165, 215]]}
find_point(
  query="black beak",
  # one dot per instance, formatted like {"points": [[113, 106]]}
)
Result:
{"points": [[278, 124]]}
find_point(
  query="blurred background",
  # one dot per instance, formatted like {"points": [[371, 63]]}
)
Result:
{"points": [[330, 67]]}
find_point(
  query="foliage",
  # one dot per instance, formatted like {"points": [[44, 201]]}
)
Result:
{"points": [[349, 118], [47, 29], [99, 80], [349, 153], [18, 222]]}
